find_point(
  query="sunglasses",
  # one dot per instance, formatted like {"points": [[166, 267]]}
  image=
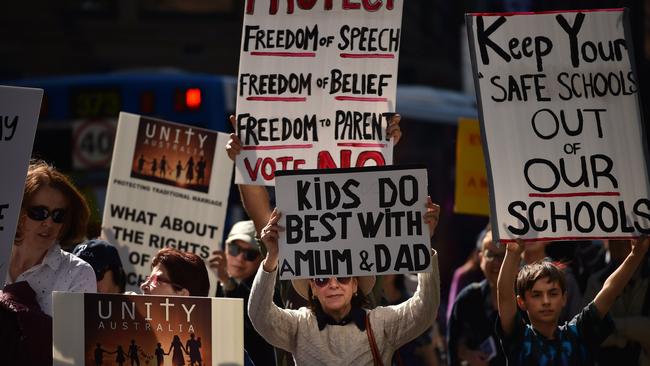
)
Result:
{"points": [[249, 254], [41, 213], [154, 280], [322, 282]]}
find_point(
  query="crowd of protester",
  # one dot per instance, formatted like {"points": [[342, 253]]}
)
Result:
{"points": [[523, 302]]}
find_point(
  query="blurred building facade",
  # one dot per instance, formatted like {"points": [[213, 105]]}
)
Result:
{"points": [[42, 37]]}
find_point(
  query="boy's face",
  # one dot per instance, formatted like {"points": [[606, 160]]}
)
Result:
{"points": [[544, 302]]}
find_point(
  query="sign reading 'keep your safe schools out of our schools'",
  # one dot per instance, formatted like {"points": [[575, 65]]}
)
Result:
{"points": [[353, 222], [561, 125], [317, 80]]}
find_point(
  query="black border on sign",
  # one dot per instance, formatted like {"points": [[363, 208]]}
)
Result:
{"points": [[383, 168], [513, 13], [469, 20]]}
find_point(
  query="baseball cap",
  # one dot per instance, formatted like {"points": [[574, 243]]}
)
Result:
{"points": [[245, 231], [100, 254]]}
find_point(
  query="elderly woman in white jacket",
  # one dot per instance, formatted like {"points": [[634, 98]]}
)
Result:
{"points": [[334, 329]]}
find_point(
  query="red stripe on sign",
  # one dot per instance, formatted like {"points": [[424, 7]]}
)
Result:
{"points": [[360, 144], [575, 194], [570, 238], [277, 99], [284, 54], [361, 99], [367, 55], [278, 147]]}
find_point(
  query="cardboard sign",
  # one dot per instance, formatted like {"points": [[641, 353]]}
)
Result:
{"points": [[353, 222], [19, 109], [471, 194], [168, 187], [95, 329], [561, 125], [316, 80]]}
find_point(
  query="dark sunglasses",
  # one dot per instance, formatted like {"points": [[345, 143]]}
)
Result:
{"points": [[249, 254], [41, 213], [322, 282]]}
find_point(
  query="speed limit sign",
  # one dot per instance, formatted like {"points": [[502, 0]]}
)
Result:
{"points": [[93, 143]]}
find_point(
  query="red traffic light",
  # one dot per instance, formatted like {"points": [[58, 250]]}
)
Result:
{"points": [[193, 98]]}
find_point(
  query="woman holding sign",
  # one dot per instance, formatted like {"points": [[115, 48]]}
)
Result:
{"points": [[336, 329]]}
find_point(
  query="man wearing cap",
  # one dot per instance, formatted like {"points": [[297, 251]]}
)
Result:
{"points": [[236, 268], [103, 257]]}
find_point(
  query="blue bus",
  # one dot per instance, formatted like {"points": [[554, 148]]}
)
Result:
{"points": [[196, 99], [72, 103]]}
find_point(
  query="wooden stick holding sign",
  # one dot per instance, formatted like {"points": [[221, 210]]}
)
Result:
{"points": [[561, 125], [353, 222]]}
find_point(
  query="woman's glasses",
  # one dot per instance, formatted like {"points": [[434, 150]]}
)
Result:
{"points": [[322, 282], [41, 213], [154, 280], [249, 254]]}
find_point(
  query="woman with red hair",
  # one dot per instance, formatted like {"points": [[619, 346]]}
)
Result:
{"points": [[53, 214], [174, 272]]}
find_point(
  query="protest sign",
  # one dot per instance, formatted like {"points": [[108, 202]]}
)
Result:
{"points": [[561, 125], [353, 222], [471, 193], [168, 187], [316, 83], [96, 329], [19, 108]]}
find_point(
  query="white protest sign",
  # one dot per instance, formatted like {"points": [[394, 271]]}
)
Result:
{"points": [[19, 109], [316, 83], [168, 187], [109, 329], [353, 222], [561, 125]]}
